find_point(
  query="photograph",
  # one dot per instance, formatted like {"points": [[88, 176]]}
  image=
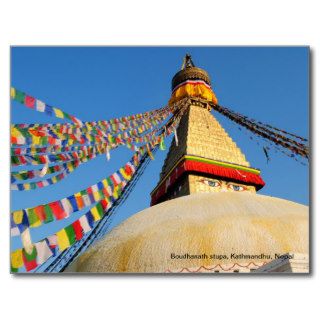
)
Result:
{"points": [[159, 160]]}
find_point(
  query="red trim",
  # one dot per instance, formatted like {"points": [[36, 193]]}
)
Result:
{"points": [[192, 82], [211, 169]]}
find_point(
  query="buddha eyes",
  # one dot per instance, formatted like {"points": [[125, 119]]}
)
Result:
{"points": [[212, 183], [235, 187], [223, 186]]}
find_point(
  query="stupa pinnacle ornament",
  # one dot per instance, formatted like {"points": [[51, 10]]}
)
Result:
{"points": [[206, 158]]}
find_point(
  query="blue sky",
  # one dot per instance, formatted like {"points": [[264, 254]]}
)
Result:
{"points": [[269, 84]]}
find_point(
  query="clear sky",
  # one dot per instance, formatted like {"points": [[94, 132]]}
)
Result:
{"points": [[269, 84]]}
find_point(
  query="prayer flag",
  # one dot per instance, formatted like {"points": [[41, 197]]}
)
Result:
{"points": [[71, 234], [58, 113], [40, 106], [162, 145], [115, 179], [40, 212], [26, 241], [12, 93], [63, 240], [33, 218], [48, 213], [29, 260], [67, 207], [57, 210], [43, 252], [84, 224], [77, 229], [29, 101], [16, 259], [20, 96]]}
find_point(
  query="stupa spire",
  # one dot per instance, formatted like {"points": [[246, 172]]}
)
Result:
{"points": [[187, 62], [206, 159]]}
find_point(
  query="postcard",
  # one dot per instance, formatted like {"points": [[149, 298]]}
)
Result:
{"points": [[171, 160]]}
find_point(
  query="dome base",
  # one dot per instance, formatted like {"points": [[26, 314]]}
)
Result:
{"points": [[201, 230]]}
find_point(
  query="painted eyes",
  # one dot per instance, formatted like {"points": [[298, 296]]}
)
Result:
{"points": [[223, 186], [235, 187], [213, 184]]}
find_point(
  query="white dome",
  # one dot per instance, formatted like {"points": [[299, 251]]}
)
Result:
{"points": [[203, 223]]}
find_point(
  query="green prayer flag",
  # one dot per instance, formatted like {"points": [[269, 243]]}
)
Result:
{"points": [[44, 140], [14, 160], [71, 234], [110, 183], [49, 213], [65, 115], [162, 145], [24, 176], [101, 194], [32, 256], [20, 96], [32, 216], [100, 210], [14, 270]]}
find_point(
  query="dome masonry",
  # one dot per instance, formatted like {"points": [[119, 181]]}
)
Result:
{"points": [[205, 223]]}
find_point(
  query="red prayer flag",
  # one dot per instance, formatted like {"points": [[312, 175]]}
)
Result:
{"points": [[51, 140], [128, 170], [30, 174], [39, 184], [57, 210], [77, 229], [43, 159], [37, 133], [29, 101], [104, 204], [29, 265]]}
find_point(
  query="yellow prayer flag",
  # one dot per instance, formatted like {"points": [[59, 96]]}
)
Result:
{"points": [[12, 93], [125, 175], [36, 140], [63, 240], [16, 259], [115, 193], [58, 113], [14, 132], [95, 214], [17, 216], [105, 183], [96, 196]]}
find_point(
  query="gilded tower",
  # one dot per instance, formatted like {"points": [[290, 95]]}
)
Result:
{"points": [[202, 156]]}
